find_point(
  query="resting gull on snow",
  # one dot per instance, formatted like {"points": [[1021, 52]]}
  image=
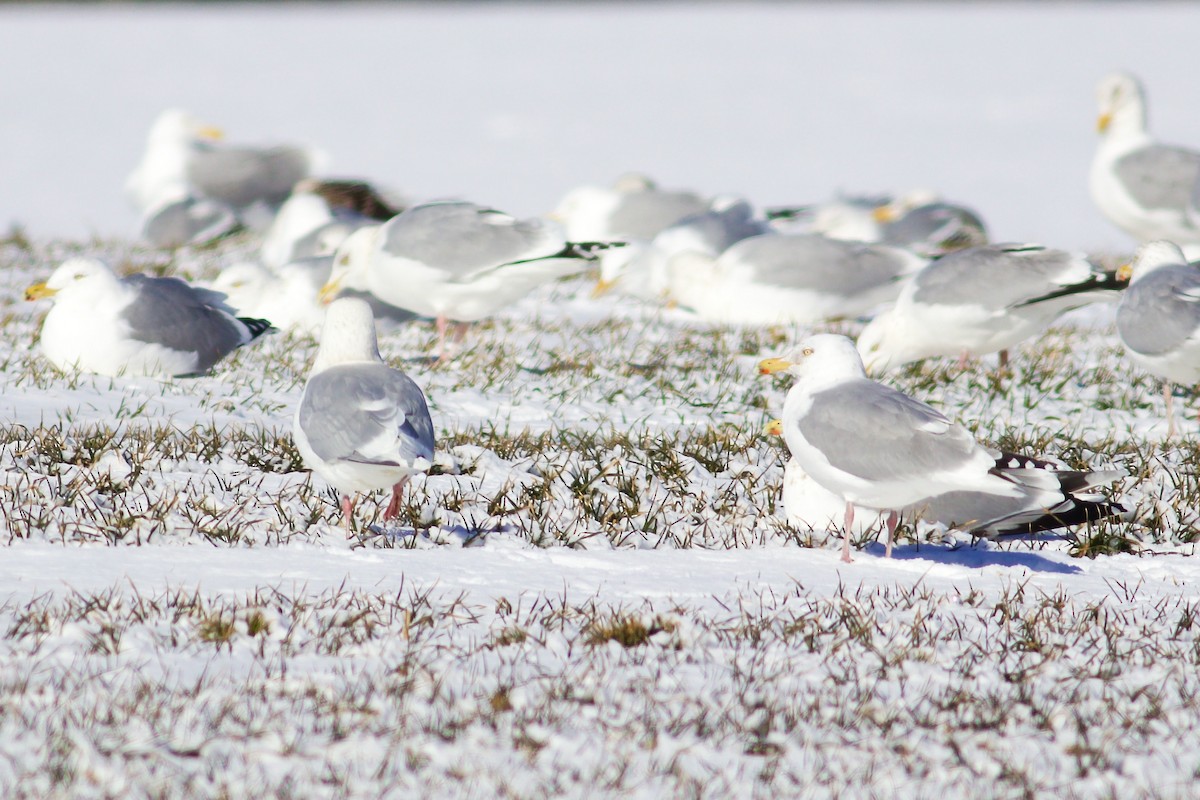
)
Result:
{"points": [[454, 260], [634, 209], [878, 448], [184, 158], [361, 425], [789, 279], [1147, 189], [982, 300], [137, 325], [1158, 318]]}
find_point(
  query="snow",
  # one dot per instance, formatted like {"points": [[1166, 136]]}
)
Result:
{"points": [[179, 615]]}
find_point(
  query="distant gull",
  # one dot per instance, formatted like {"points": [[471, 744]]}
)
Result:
{"points": [[853, 218], [137, 325], [455, 261], [779, 279], [1147, 189], [361, 425], [186, 218], [310, 224], [876, 447], [185, 158], [634, 209], [932, 229], [982, 300], [1158, 318], [642, 271], [809, 504]]}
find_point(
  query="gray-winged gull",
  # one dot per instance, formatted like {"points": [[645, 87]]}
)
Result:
{"points": [[982, 300], [455, 260], [136, 325], [361, 425], [1158, 318], [789, 279], [876, 447], [634, 209], [1147, 189]]}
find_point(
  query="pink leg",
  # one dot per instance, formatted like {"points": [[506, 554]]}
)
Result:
{"points": [[962, 359], [442, 325], [893, 519], [347, 511], [846, 532], [1170, 409], [460, 332], [393, 507]]}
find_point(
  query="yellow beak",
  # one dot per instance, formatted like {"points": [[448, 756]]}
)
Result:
{"points": [[330, 291], [1103, 122], [603, 287], [884, 213], [774, 428], [769, 366], [1125, 272], [39, 291], [211, 133]]}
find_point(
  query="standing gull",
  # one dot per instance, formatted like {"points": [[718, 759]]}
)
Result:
{"points": [[809, 504], [982, 300], [1145, 188], [876, 447], [1158, 318], [137, 325], [361, 425], [455, 260]]}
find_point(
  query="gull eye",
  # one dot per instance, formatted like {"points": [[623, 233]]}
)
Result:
{"points": [[808, 351]]}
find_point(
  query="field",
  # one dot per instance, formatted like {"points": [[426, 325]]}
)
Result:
{"points": [[595, 592]]}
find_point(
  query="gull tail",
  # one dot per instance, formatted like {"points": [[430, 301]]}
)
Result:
{"points": [[1077, 506], [257, 327], [1100, 283]]}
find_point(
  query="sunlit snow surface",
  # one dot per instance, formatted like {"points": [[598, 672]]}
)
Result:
{"points": [[597, 593]]}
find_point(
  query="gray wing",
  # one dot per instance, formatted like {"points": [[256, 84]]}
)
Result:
{"points": [[817, 262], [463, 238], [641, 215], [1160, 311], [940, 227], [188, 221], [720, 230], [169, 312], [994, 276], [877, 433], [368, 413], [242, 176], [1159, 176]]}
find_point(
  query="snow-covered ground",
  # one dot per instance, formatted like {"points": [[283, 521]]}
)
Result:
{"points": [[595, 592]]}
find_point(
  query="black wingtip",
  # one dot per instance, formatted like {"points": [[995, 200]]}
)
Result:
{"points": [[257, 327], [1082, 512]]}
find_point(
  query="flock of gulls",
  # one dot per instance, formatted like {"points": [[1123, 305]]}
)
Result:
{"points": [[338, 256]]}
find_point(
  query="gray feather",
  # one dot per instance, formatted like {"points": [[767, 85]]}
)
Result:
{"points": [[1161, 310], [169, 312], [1159, 176]]}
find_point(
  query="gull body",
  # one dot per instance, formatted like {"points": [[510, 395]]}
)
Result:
{"points": [[137, 325]]}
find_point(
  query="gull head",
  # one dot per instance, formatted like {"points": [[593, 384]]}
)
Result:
{"points": [[823, 358], [175, 126], [774, 428], [348, 336], [1120, 101], [876, 343], [1150, 257], [351, 262], [73, 273]]}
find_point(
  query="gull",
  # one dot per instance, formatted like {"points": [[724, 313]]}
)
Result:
{"points": [[982, 300], [789, 279], [455, 260], [1158, 318], [136, 325], [1145, 188], [185, 158], [811, 505], [932, 229], [361, 425], [633, 209], [878, 448], [318, 216], [642, 271]]}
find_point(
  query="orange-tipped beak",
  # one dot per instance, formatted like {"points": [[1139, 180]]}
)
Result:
{"points": [[1125, 271], [39, 291], [769, 366], [329, 292], [211, 133], [774, 428], [884, 213]]}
